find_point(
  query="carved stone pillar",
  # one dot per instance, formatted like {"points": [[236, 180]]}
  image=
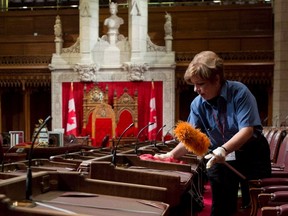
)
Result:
{"points": [[138, 28], [280, 87], [89, 28]]}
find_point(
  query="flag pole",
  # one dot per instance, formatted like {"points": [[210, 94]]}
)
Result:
{"points": [[152, 114]]}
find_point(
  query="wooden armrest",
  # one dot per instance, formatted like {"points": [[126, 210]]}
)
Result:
{"points": [[273, 199], [255, 193], [277, 167], [268, 181], [281, 210], [279, 174], [270, 211], [280, 196], [264, 199]]}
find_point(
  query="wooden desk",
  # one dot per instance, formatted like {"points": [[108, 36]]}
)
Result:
{"points": [[82, 196], [176, 182]]}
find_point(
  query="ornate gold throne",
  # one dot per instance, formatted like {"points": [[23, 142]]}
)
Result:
{"points": [[98, 115], [126, 112]]}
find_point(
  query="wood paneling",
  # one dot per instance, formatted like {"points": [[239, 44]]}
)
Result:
{"points": [[218, 28], [215, 27], [27, 45], [31, 33]]}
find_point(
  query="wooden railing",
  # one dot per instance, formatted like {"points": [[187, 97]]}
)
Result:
{"points": [[24, 60], [239, 56]]}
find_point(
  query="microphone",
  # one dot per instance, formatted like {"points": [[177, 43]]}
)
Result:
{"points": [[115, 148], [29, 172], [105, 141], [168, 133], [137, 139], [160, 129]]}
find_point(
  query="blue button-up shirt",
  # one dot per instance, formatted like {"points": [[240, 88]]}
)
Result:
{"points": [[234, 109]]}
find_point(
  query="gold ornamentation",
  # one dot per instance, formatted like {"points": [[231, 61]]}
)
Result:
{"points": [[96, 95]]}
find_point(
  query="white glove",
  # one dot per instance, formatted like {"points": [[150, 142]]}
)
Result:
{"points": [[163, 156], [217, 156]]}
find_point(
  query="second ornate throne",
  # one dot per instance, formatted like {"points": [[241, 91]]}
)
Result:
{"points": [[126, 112]]}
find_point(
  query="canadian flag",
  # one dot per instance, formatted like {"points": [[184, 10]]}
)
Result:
{"points": [[153, 117], [71, 120]]}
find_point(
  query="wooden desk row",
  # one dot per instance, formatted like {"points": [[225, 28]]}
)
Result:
{"points": [[87, 181]]}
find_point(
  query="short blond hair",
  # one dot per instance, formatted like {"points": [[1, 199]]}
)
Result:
{"points": [[206, 65]]}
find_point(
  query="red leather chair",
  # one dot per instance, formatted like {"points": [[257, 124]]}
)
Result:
{"points": [[255, 192], [266, 131], [275, 143], [270, 135], [278, 180]]}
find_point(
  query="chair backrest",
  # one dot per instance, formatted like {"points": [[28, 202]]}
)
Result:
{"points": [[270, 135], [103, 123], [266, 131], [282, 158], [91, 98], [126, 112], [275, 143]]}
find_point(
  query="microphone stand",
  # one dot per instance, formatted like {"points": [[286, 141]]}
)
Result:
{"points": [[137, 139], [167, 133], [2, 155], [158, 134], [115, 148], [29, 171]]}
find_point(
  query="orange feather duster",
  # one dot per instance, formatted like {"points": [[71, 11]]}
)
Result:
{"points": [[193, 139], [197, 142]]}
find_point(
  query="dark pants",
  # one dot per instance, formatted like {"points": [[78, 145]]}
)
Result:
{"points": [[224, 184], [253, 161]]}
